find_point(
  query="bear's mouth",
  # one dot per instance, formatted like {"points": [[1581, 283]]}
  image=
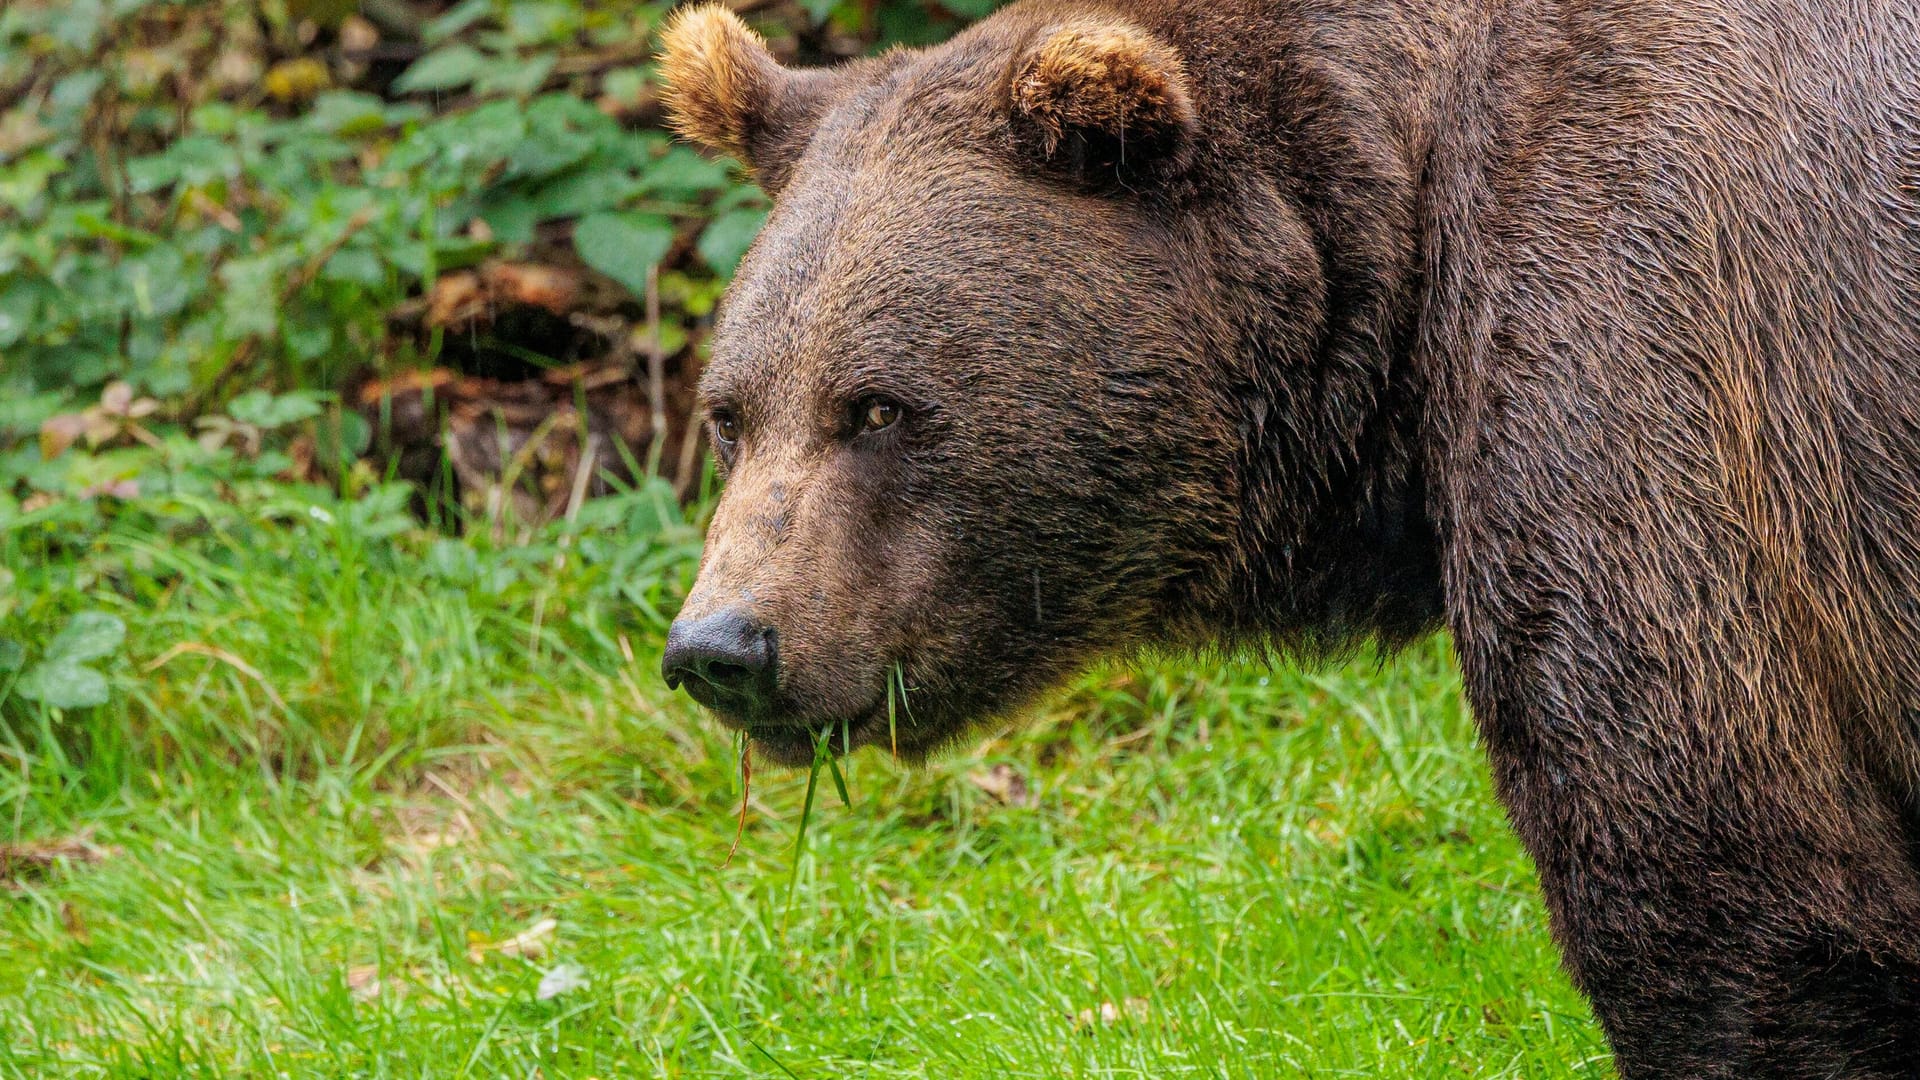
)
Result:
{"points": [[796, 744]]}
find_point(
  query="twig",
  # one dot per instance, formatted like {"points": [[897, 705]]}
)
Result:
{"points": [[656, 375], [582, 476], [225, 657]]}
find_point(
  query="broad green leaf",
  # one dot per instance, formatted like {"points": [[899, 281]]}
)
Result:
{"points": [[458, 18], [548, 151], [726, 240], [456, 563], [535, 22], [516, 78], [269, 411], [63, 684], [159, 281], [624, 84], [355, 265], [443, 69], [348, 113], [27, 178], [585, 192], [195, 161], [16, 315], [90, 635], [74, 93], [512, 219], [252, 303], [681, 171], [623, 246], [352, 434], [461, 252], [308, 338]]}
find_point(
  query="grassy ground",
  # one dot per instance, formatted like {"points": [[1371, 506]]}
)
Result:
{"points": [[369, 803]]}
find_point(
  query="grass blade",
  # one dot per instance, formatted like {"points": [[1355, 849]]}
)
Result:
{"points": [[745, 781], [893, 729], [820, 752], [839, 781]]}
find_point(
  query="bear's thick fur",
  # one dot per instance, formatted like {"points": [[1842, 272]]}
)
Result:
{"points": [[1588, 329]]}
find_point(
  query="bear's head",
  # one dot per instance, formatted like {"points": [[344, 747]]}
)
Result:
{"points": [[993, 393]]}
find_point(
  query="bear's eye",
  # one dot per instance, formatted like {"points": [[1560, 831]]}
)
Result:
{"points": [[726, 427], [879, 414]]}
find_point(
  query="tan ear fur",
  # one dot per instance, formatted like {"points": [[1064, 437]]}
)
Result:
{"points": [[718, 77], [1109, 78]]}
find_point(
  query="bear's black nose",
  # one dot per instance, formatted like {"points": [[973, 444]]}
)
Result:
{"points": [[725, 660]]}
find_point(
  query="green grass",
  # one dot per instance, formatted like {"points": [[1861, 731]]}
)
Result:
{"points": [[379, 760]]}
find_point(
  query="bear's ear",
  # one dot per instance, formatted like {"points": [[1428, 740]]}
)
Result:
{"points": [[724, 90], [1103, 99]]}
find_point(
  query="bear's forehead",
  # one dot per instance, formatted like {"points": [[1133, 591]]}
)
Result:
{"points": [[843, 274]]}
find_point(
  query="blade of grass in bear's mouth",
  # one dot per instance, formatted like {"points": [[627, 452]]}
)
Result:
{"points": [[897, 701], [821, 752], [744, 752], [833, 766]]}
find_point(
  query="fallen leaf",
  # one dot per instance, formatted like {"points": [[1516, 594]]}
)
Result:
{"points": [[1133, 1010], [296, 80], [117, 397], [57, 433], [456, 300], [35, 858], [532, 285], [115, 489], [1005, 784], [357, 35], [76, 926], [364, 980], [530, 943]]}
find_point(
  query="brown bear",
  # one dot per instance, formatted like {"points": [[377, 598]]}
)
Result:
{"points": [[1586, 329]]}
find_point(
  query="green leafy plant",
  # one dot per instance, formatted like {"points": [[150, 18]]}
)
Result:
{"points": [[64, 676]]}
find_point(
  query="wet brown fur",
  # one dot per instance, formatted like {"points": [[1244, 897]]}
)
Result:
{"points": [[1589, 329], [1100, 76]]}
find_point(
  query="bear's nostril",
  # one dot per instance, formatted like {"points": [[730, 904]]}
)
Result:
{"points": [[729, 652], [727, 676]]}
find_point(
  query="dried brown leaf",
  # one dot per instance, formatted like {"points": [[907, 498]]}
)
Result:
{"points": [[35, 858], [1131, 1011], [530, 944], [1005, 784], [59, 433]]}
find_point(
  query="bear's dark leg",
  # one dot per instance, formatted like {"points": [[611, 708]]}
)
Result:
{"points": [[1752, 1010], [1731, 909]]}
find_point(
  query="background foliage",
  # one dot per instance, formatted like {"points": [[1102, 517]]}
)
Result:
{"points": [[217, 218], [308, 770], [192, 189]]}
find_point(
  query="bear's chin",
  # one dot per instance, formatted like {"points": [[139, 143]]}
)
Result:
{"points": [[794, 745]]}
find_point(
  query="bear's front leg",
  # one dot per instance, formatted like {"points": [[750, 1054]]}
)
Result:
{"points": [[1736, 897]]}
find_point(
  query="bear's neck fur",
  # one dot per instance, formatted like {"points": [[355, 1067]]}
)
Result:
{"points": [[1325, 117]]}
